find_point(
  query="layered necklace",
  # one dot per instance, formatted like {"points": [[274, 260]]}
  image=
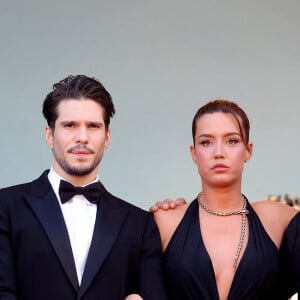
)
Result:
{"points": [[242, 212]]}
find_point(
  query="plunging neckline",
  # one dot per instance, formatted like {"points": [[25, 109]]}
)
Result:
{"points": [[240, 263], [189, 270]]}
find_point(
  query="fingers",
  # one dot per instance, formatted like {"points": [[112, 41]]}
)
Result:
{"points": [[167, 204], [180, 201]]}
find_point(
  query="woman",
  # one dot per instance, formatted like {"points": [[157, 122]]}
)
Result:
{"points": [[220, 246]]}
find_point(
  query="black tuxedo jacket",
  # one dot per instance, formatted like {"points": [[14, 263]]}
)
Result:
{"points": [[36, 260]]}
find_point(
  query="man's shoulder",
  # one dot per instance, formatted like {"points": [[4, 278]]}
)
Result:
{"points": [[21, 188], [11, 196]]}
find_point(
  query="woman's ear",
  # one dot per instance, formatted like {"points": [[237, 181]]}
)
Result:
{"points": [[192, 151], [249, 151]]}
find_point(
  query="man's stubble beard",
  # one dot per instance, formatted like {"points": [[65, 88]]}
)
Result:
{"points": [[78, 170]]}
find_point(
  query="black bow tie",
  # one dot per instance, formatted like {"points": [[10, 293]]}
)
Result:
{"points": [[91, 191]]}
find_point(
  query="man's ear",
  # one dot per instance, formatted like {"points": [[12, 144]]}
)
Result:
{"points": [[107, 139], [49, 136]]}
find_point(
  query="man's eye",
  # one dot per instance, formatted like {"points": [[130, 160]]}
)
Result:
{"points": [[69, 125], [94, 125]]}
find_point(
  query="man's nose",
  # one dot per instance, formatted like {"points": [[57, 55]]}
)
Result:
{"points": [[82, 135]]}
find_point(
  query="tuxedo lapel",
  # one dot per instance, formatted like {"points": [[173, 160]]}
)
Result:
{"points": [[108, 223], [47, 210]]}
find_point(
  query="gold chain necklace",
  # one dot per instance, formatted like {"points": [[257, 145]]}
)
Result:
{"points": [[242, 212]]}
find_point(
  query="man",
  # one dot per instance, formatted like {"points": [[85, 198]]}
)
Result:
{"points": [[89, 244]]}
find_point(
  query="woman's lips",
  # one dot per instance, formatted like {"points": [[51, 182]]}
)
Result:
{"points": [[219, 167]]}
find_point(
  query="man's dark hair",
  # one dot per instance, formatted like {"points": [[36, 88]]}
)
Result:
{"points": [[77, 87]]}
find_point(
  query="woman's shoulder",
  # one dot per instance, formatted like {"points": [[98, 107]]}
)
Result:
{"points": [[168, 220], [275, 217], [171, 213], [270, 209]]}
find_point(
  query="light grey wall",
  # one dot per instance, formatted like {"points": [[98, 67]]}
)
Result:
{"points": [[160, 60]]}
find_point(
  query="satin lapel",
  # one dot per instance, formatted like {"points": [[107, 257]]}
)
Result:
{"points": [[107, 226], [50, 216]]}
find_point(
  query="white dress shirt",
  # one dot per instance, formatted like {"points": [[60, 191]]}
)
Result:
{"points": [[79, 215]]}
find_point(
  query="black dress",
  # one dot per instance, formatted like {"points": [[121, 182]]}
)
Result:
{"points": [[189, 271], [290, 254]]}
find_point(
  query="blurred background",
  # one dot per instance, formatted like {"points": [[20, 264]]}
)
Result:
{"points": [[160, 60]]}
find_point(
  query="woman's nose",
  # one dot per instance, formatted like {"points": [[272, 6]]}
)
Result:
{"points": [[219, 150]]}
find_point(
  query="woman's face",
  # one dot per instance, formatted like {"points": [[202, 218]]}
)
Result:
{"points": [[219, 150]]}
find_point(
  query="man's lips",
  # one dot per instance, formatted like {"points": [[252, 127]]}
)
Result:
{"points": [[80, 151]]}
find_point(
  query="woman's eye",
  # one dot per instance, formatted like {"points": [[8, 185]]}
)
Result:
{"points": [[232, 141], [205, 142]]}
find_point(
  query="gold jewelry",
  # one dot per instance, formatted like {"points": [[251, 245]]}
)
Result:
{"points": [[242, 212]]}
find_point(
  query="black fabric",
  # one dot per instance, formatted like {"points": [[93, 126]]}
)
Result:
{"points": [[36, 259], [91, 191], [189, 270], [290, 255]]}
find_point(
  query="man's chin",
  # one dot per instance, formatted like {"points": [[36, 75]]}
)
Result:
{"points": [[80, 171]]}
